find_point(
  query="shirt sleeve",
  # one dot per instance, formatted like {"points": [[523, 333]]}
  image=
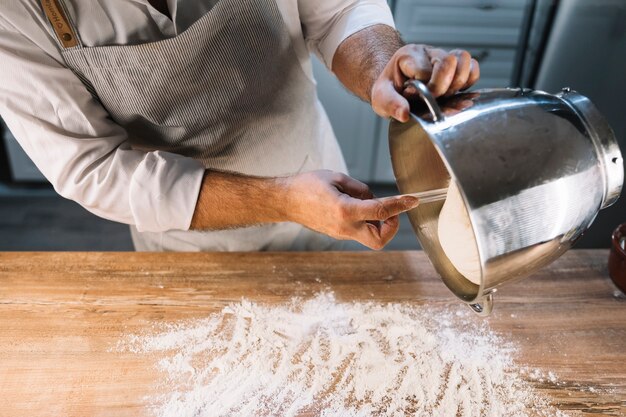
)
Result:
{"points": [[328, 23], [77, 146]]}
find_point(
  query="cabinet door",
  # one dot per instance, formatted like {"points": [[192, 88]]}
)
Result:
{"points": [[496, 65], [461, 22], [354, 122]]}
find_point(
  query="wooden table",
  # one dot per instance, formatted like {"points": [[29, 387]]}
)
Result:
{"points": [[61, 314]]}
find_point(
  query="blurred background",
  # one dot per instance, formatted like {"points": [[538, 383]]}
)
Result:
{"points": [[541, 44]]}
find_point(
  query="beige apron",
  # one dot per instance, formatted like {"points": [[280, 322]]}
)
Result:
{"points": [[230, 92]]}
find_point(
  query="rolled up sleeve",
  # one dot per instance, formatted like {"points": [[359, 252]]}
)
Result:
{"points": [[84, 154], [326, 24]]}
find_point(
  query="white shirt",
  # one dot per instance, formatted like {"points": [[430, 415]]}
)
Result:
{"points": [[70, 136]]}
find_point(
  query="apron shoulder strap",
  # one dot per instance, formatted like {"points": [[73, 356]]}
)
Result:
{"points": [[66, 33]]}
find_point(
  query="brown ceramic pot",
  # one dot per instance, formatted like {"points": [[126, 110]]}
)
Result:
{"points": [[617, 257]]}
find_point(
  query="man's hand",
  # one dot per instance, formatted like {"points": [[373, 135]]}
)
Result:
{"points": [[374, 64], [325, 201], [344, 208], [445, 73]]}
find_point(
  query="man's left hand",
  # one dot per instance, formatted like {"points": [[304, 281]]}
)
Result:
{"points": [[443, 72]]}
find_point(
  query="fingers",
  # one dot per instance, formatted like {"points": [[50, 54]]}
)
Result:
{"points": [[344, 208], [352, 187], [452, 71], [372, 222], [375, 222], [444, 72], [463, 66], [409, 62], [388, 229], [388, 102], [414, 64], [474, 74], [444, 68], [375, 237]]}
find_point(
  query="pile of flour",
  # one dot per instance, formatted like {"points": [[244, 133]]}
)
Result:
{"points": [[319, 357]]}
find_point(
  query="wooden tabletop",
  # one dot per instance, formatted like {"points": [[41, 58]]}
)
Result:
{"points": [[61, 315]]}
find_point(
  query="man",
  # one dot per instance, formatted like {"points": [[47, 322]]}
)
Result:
{"points": [[197, 122]]}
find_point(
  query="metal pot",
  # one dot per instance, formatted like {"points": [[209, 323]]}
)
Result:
{"points": [[533, 168]]}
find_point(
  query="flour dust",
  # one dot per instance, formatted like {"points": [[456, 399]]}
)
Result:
{"points": [[320, 357]]}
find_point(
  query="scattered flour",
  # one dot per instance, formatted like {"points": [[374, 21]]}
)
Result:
{"points": [[319, 357]]}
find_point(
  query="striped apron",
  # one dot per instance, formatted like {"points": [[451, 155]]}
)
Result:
{"points": [[230, 92]]}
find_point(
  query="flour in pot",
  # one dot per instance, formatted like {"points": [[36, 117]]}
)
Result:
{"points": [[457, 237], [324, 358]]}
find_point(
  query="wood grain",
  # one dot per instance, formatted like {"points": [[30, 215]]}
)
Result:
{"points": [[61, 315]]}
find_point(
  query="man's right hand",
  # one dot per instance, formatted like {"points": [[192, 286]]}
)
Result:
{"points": [[344, 208], [325, 201]]}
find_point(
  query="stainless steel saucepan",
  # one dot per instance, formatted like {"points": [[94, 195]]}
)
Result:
{"points": [[533, 169]]}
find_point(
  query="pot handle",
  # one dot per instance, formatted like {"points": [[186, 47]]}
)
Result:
{"points": [[427, 97], [484, 307]]}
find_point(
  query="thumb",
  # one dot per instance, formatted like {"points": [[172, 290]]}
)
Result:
{"points": [[387, 102], [385, 208]]}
